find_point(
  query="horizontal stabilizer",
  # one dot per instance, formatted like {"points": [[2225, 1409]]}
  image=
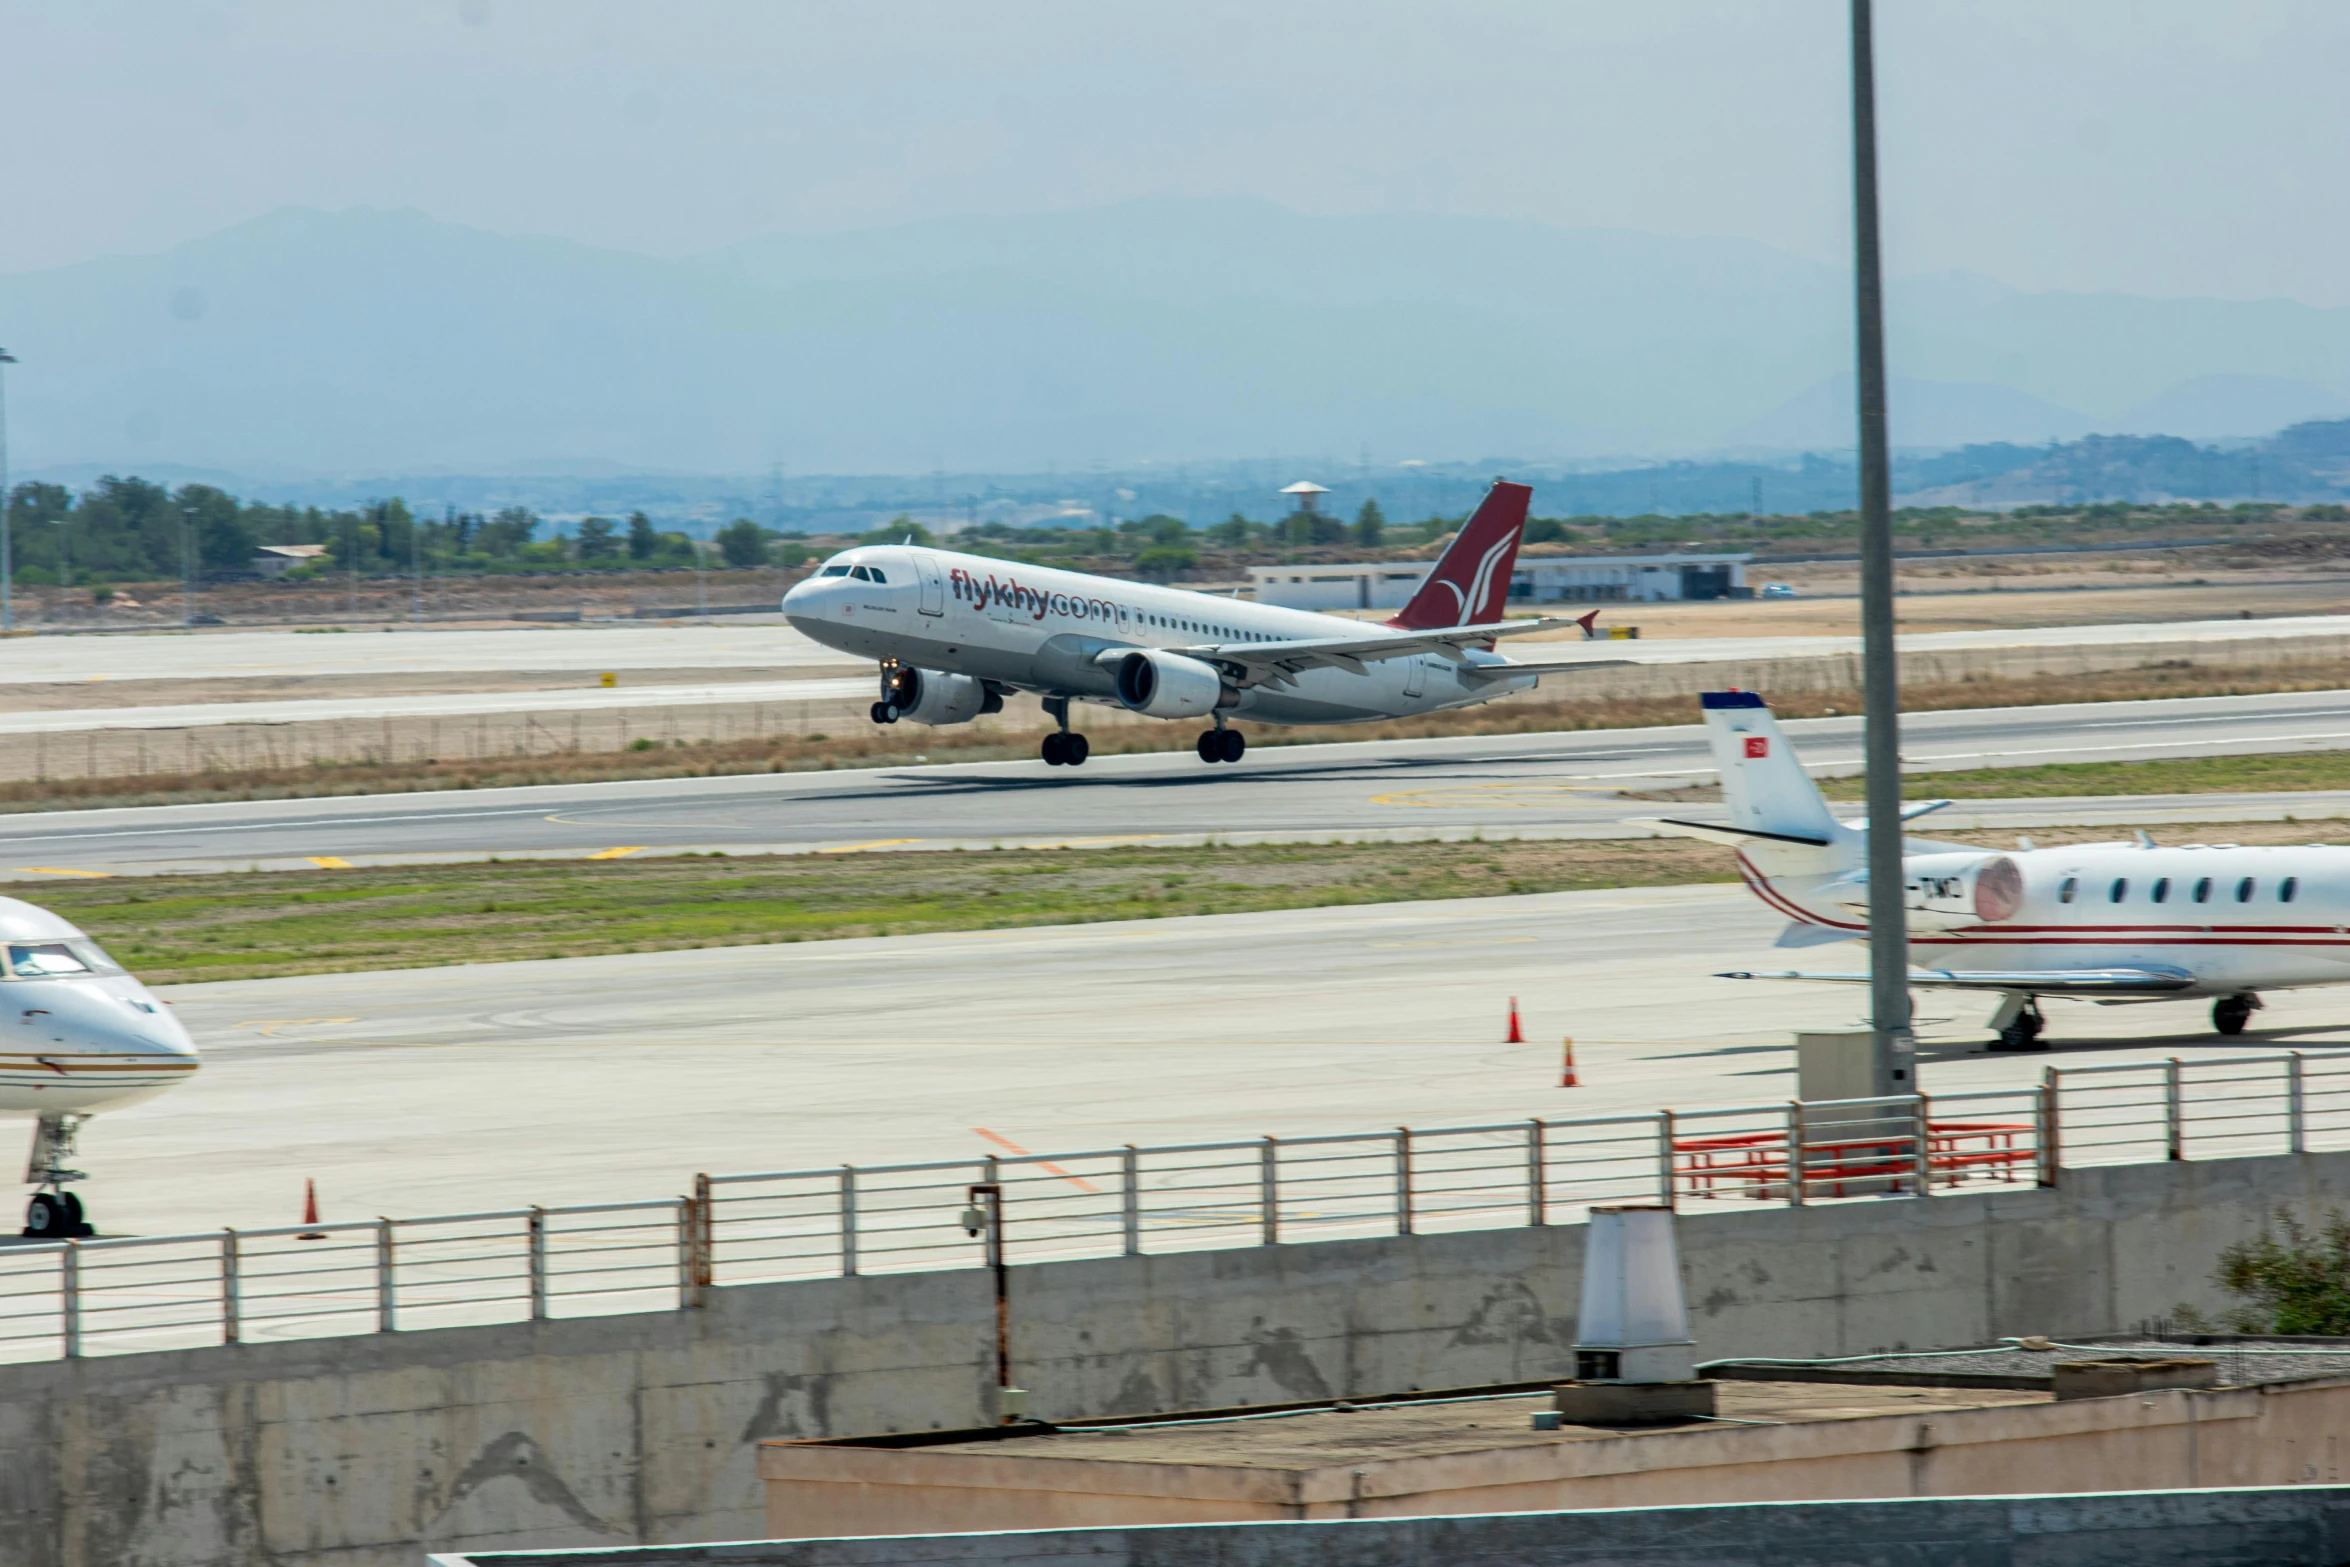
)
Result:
{"points": [[1542, 666], [1909, 813], [1718, 832], [1803, 933], [2151, 980]]}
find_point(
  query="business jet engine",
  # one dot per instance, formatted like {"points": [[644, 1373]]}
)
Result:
{"points": [[1947, 891], [929, 697], [1160, 684]]}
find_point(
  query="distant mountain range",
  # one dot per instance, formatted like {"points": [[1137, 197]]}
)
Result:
{"points": [[307, 344]]}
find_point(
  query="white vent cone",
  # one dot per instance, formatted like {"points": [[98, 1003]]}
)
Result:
{"points": [[1635, 1321]]}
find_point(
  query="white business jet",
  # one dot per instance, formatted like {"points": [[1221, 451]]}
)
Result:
{"points": [[956, 634], [77, 1035], [2103, 922]]}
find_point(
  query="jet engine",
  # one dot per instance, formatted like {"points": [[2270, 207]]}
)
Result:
{"points": [[1946, 891], [929, 697], [1168, 685]]}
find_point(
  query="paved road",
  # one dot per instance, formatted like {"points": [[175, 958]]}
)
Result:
{"points": [[444, 704], [278, 654], [588, 1079], [1526, 785]]}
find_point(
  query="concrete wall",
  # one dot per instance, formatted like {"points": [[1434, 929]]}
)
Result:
{"points": [[2298, 1527], [605, 1431]]}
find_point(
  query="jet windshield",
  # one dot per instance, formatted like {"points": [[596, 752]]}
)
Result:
{"points": [[58, 959]]}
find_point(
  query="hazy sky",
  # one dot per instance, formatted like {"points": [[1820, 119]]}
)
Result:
{"points": [[2158, 147]]}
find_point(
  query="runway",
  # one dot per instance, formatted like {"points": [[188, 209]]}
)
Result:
{"points": [[1553, 785], [214, 655], [589, 1079]]}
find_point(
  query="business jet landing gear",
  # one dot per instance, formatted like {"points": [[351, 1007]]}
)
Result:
{"points": [[54, 1214], [2229, 1014], [1221, 745], [1063, 749], [2018, 1023]]}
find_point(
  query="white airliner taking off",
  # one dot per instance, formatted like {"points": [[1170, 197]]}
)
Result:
{"points": [[2103, 922], [955, 634], [77, 1036]]}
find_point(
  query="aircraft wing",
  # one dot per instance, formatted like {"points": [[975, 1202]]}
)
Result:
{"points": [[1275, 663], [2154, 979]]}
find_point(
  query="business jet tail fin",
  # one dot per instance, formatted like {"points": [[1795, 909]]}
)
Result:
{"points": [[1768, 792], [1471, 583]]}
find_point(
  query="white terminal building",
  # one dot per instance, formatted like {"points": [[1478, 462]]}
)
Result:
{"points": [[1565, 579]]}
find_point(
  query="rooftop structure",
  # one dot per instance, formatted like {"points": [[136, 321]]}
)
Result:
{"points": [[2007, 1424], [1306, 496]]}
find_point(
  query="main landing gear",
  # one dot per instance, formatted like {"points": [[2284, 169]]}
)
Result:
{"points": [[1221, 745], [54, 1214], [1062, 748], [2018, 1022], [2229, 1014]]}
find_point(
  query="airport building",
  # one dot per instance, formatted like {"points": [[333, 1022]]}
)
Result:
{"points": [[1563, 579]]}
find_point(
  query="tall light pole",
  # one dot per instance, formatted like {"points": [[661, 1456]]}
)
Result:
{"points": [[1895, 1046], [7, 557]]}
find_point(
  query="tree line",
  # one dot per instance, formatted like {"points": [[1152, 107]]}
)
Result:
{"points": [[133, 530]]}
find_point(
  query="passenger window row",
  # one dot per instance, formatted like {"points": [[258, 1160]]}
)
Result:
{"points": [[2246, 889]]}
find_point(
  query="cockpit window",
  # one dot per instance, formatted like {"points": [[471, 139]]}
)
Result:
{"points": [[876, 574], [834, 571], [43, 960]]}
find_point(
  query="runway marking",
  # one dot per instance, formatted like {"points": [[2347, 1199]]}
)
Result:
{"points": [[1442, 796], [269, 1026], [878, 843], [1080, 843], [1495, 941], [617, 854], [52, 870], [1078, 1181], [329, 862]]}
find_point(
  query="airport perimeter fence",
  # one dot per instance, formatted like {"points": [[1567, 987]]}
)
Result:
{"points": [[111, 1296]]}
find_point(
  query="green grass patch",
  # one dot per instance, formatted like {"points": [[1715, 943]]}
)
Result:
{"points": [[260, 924], [2184, 775]]}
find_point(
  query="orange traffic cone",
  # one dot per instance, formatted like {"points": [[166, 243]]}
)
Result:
{"points": [[1567, 1072], [1517, 1034], [310, 1211]]}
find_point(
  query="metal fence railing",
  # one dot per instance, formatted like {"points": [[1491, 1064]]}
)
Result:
{"points": [[101, 1296]]}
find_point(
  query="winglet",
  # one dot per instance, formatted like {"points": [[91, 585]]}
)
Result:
{"points": [[1590, 625]]}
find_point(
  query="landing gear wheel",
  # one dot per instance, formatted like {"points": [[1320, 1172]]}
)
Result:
{"points": [[880, 713], [1211, 745], [2023, 1031], [2229, 1014], [54, 1216], [1232, 743], [1056, 749], [1075, 749]]}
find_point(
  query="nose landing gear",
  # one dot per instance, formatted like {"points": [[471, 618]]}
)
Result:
{"points": [[54, 1214], [2229, 1014]]}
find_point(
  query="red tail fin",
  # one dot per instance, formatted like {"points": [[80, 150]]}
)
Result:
{"points": [[1471, 584]]}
